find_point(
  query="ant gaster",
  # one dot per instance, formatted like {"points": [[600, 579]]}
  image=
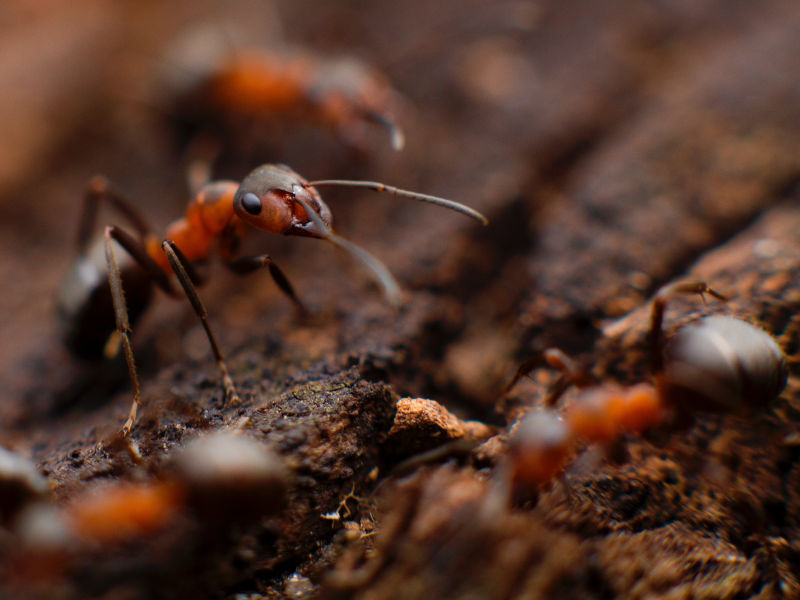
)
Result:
{"points": [[718, 363], [272, 198]]}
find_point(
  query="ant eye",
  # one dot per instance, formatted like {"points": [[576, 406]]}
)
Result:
{"points": [[251, 203]]}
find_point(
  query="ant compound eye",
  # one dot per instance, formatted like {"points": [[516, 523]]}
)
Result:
{"points": [[251, 203]]}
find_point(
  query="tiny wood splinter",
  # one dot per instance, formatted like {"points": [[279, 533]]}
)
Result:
{"points": [[272, 198]]}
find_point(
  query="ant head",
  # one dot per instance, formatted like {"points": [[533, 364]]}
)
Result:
{"points": [[539, 446], [268, 200]]}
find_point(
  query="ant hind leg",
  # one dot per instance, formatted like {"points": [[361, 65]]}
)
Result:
{"points": [[123, 326]]}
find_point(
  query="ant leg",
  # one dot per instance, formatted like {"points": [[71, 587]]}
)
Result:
{"points": [[396, 134], [571, 373], [181, 266], [188, 278], [123, 326], [123, 331], [657, 315], [100, 188], [524, 369], [249, 264]]}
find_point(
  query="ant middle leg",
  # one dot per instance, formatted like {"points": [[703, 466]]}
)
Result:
{"points": [[182, 269], [250, 264]]}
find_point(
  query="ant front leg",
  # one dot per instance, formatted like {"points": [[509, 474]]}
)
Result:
{"points": [[182, 269], [250, 264], [660, 301]]}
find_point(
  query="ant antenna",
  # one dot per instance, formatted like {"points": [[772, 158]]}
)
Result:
{"points": [[398, 138], [386, 280], [382, 187]]}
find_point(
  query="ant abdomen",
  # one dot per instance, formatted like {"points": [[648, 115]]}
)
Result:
{"points": [[85, 310], [724, 363]]}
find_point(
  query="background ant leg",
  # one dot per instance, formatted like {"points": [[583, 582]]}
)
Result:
{"points": [[377, 186], [524, 369], [179, 265], [249, 264], [100, 188], [657, 315], [571, 373], [396, 134]]}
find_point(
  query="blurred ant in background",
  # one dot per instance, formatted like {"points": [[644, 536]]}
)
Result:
{"points": [[717, 364], [215, 92], [184, 508], [272, 198]]}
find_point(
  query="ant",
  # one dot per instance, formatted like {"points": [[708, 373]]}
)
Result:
{"points": [[272, 198], [718, 364], [197, 497], [339, 94]]}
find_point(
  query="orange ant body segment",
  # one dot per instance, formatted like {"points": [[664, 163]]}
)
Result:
{"points": [[272, 198], [123, 511], [718, 363], [601, 415]]}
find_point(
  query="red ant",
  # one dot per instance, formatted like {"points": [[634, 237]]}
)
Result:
{"points": [[341, 94], [197, 496], [718, 363], [272, 198]]}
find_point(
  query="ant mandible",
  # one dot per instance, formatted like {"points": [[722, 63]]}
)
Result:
{"points": [[272, 198], [719, 363]]}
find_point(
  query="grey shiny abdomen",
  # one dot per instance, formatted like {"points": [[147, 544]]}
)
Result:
{"points": [[727, 362]]}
